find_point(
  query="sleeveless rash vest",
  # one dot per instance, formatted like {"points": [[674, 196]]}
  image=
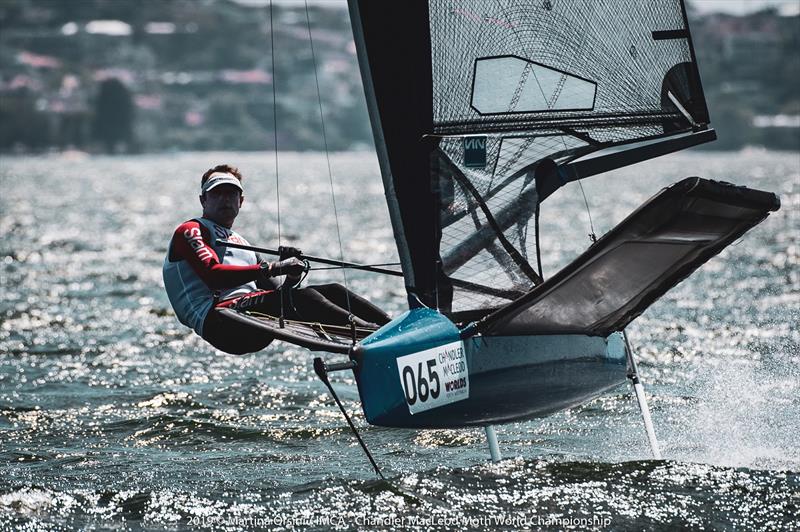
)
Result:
{"points": [[189, 296]]}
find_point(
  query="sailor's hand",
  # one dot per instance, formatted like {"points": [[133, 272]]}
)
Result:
{"points": [[293, 267], [288, 251]]}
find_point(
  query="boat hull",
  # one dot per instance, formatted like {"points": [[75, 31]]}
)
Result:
{"points": [[480, 380]]}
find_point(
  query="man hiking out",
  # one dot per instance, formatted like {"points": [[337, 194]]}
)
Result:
{"points": [[201, 275]]}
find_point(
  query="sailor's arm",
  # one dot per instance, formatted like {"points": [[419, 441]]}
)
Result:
{"points": [[191, 243]]}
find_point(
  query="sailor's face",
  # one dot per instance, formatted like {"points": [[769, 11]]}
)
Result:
{"points": [[221, 204]]}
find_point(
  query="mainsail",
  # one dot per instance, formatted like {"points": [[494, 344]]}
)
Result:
{"points": [[481, 109]]}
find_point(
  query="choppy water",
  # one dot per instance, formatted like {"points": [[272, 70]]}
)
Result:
{"points": [[112, 415]]}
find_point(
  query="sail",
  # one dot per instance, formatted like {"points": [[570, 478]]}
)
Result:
{"points": [[482, 108]]}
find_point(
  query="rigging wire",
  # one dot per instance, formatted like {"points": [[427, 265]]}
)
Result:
{"points": [[350, 267], [592, 235], [327, 157], [275, 118], [275, 135]]}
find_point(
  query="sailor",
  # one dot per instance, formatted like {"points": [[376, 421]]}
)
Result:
{"points": [[202, 275]]}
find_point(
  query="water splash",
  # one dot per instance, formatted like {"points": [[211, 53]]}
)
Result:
{"points": [[746, 415]]}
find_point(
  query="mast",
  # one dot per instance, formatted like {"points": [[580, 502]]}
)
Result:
{"points": [[393, 45], [380, 144]]}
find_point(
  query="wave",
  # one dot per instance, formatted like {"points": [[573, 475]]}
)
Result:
{"points": [[654, 495]]}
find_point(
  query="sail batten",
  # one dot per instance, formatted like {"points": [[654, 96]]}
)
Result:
{"points": [[645, 120]]}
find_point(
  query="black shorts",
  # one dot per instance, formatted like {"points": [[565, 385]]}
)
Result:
{"points": [[331, 303], [232, 336]]}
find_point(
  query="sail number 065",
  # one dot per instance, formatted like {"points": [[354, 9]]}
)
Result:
{"points": [[419, 386]]}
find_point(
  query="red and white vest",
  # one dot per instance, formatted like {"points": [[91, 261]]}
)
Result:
{"points": [[190, 297]]}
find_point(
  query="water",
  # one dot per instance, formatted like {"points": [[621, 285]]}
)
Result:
{"points": [[113, 415]]}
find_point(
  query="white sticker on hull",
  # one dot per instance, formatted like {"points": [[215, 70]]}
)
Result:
{"points": [[434, 377]]}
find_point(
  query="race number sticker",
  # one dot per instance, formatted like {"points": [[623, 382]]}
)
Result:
{"points": [[434, 377]]}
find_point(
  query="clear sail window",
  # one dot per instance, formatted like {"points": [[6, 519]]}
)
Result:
{"points": [[510, 84]]}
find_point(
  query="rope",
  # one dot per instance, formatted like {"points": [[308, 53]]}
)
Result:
{"points": [[592, 235], [275, 118], [275, 133], [350, 267], [327, 157], [340, 330]]}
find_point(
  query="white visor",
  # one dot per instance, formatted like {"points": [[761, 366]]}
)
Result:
{"points": [[220, 179]]}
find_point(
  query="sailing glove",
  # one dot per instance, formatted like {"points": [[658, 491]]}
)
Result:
{"points": [[288, 251], [293, 267]]}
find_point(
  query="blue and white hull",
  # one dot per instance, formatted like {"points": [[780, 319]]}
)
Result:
{"points": [[417, 372]]}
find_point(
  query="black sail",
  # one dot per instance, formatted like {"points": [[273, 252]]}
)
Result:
{"points": [[393, 44], [482, 108]]}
